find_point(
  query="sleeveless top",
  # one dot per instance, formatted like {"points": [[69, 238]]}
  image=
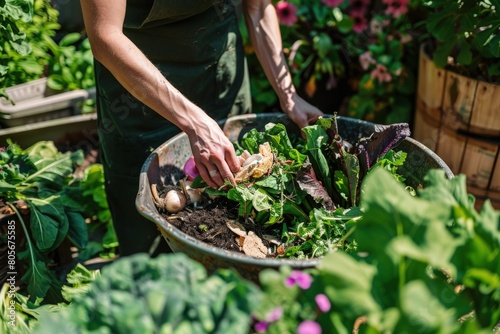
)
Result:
{"points": [[196, 44]]}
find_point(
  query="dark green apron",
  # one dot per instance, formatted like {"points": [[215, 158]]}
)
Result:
{"points": [[196, 44]]}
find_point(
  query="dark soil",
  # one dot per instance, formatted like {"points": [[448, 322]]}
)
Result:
{"points": [[207, 222]]}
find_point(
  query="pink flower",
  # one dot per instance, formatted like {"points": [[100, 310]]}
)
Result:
{"points": [[365, 60], [303, 280], [275, 314], [323, 302], [360, 22], [287, 13], [190, 169], [380, 72], [309, 327], [332, 3], [396, 8]]}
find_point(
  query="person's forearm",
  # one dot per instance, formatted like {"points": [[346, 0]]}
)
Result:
{"points": [[263, 29]]}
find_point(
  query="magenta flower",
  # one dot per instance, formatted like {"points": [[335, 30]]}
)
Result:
{"points": [[309, 327], [360, 22], [323, 302], [380, 73], [396, 8], [261, 326], [332, 3], [303, 280], [287, 13], [190, 169]]}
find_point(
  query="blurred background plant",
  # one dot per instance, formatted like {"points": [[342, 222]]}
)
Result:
{"points": [[464, 36], [357, 57], [33, 47]]}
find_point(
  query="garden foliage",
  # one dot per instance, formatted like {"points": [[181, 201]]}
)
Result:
{"points": [[310, 198], [58, 207], [365, 45], [466, 36], [35, 30], [168, 294], [428, 263]]}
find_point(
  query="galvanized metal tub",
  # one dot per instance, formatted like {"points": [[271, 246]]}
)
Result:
{"points": [[164, 166]]}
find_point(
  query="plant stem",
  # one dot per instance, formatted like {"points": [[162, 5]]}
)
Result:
{"points": [[345, 236], [21, 220]]}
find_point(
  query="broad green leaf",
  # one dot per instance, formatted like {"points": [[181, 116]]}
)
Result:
{"points": [[261, 201], [441, 26], [393, 214], [77, 231], [38, 276], [317, 138], [348, 285], [433, 318], [48, 223]]}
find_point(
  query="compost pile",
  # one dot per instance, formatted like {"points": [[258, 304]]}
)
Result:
{"points": [[295, 197]]}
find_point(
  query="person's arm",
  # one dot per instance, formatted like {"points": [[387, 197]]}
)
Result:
{"points": [[212, 150], [263, 28]]}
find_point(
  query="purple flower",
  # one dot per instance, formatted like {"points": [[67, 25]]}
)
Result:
{"points": [[322, 302], [303, 280], [287, 13], [309, 327], [260, 326]]}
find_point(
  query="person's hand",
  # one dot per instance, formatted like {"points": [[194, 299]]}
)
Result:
{"points": [[213, 154], [300, 111]]}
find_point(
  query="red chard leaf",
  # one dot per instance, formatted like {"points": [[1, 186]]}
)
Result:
{"points": [[384, 138], [308, 182]]}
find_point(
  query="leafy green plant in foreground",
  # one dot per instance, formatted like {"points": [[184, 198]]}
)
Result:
{"points": [[167, 294], [428, 263], [25, 313]]}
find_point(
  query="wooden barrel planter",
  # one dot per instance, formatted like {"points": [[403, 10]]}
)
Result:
{"points": [[459, 118]]}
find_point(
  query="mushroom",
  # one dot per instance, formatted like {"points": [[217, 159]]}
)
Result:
{"points": [[174, 200]]}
